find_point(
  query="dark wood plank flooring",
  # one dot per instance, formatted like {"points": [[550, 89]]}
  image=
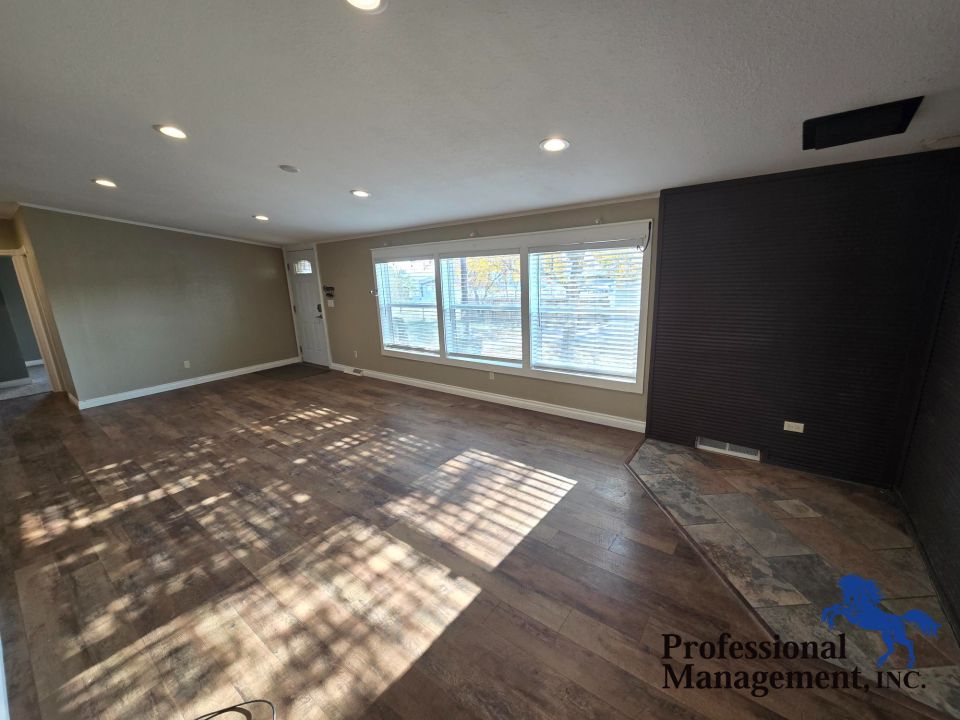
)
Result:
{"points": [[349, 548]]}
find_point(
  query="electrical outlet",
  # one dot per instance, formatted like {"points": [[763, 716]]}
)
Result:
{"points": [[331, 302], [491, 376], [186, 363], [791, 426], [355, 354]]}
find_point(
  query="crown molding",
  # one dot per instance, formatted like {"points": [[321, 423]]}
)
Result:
{"points": [[182, 231]]}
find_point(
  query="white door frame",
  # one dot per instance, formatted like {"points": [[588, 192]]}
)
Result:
{"points": [[28, 278], [323, 297]]}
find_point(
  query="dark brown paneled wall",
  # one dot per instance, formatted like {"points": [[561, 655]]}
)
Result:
{"points": [[930, 486], [809, 296]]}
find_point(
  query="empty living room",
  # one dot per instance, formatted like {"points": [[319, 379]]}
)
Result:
{"points": [[479, 360]]}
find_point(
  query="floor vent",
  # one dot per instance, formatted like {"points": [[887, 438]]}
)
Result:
{"points": [[725, 448]]}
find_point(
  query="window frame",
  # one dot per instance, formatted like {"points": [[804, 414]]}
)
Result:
{"points": [[438, 306], [484, 253], [624, 234]]}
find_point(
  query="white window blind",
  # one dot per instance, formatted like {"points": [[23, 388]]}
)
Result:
{"points": [[585, 310], [407, 296], [481, 307]]}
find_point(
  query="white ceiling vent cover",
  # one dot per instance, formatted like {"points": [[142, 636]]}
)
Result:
{"points": [[725, 448]]}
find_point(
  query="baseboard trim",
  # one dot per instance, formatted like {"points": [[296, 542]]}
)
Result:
{"points": [[34, 363], [176, 385], [15, 383], [548, 408]]}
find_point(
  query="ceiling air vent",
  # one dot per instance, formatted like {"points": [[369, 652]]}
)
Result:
{"points": [[725, 448], [861, 124]]}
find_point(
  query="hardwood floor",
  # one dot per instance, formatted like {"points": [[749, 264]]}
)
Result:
{"points": [[350, 548]]}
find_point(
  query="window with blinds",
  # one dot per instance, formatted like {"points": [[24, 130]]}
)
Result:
{"points": [[585, 310], [481, 307], [564, 305], [407, 297]]}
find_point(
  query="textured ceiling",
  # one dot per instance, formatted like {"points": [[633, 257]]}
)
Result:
{"points": [[437, 106]]}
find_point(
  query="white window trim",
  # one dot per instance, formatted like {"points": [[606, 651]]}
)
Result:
{"points": [[609, 235]]}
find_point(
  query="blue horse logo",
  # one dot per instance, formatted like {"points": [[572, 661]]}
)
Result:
{"points": [[861, 606]]}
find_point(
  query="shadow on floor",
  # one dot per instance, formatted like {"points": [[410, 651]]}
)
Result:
{"points": [[297, 371]]}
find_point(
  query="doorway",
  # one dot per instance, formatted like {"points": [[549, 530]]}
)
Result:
{"points": [[22, 368], [308, 307]]}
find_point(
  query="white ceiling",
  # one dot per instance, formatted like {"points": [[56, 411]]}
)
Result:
{"points": [[437, 106]]}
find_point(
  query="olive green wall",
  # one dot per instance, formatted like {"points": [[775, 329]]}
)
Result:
{"points": [[12, 366], [352, 323], [11, 357], [10, 287], [131, 303]]}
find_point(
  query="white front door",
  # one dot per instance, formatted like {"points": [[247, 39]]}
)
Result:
{"points": [[308, 306]]}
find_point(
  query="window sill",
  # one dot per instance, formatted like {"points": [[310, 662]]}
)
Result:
{"points": [[511, 369]]}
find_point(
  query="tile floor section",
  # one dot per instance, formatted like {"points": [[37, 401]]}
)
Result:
{"points": [[782, 538]]}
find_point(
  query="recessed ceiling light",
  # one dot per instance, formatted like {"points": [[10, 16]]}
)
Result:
{"points": [[289, 168], [171, 131], [261, 218], [369, 6], [360, 193], [105, 182], [554, 144]]}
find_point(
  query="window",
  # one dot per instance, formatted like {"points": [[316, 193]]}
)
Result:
{"points": [[302, 267], [407, 295], [585, 310], [481, 307], [565, 305]]}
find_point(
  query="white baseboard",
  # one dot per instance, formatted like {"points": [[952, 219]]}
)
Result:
{"points": [[15, 383], [176, 385], [549, 408]]}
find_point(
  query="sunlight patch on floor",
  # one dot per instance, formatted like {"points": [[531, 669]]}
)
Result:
{"points": [[481, 504], [323, 633]]}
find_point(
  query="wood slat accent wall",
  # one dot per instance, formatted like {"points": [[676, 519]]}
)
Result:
{"points": [[809, 296]]}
